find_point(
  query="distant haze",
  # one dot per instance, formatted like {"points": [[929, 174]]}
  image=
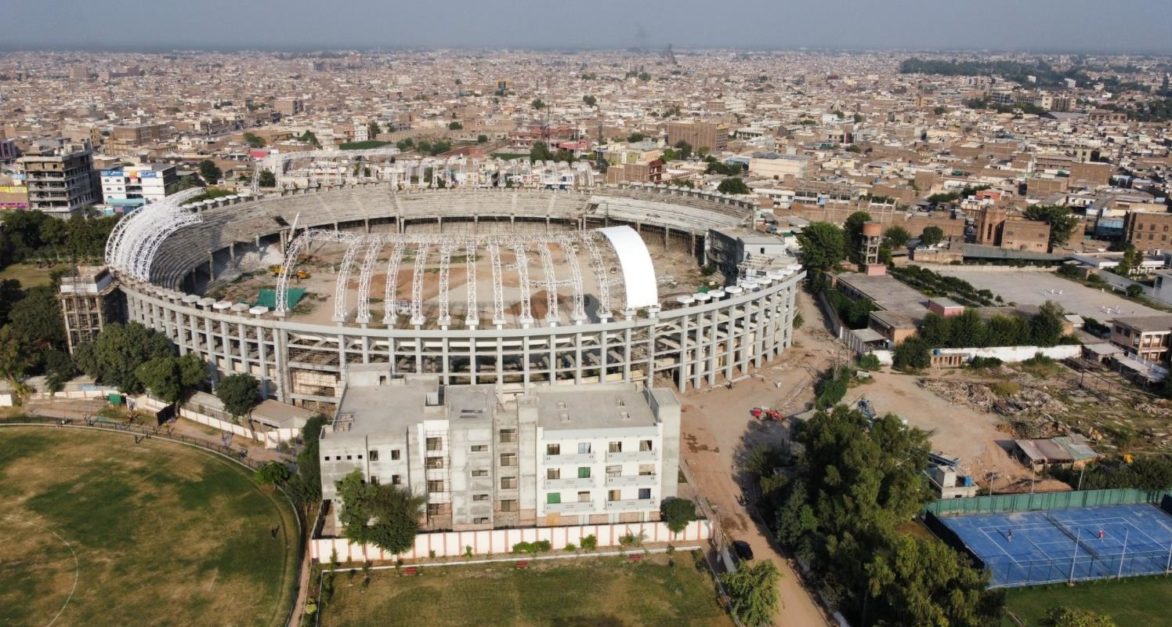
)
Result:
{"points": [[1032, 25]]}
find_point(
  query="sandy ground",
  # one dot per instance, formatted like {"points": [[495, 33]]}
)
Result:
{"points": [[716, 423]]}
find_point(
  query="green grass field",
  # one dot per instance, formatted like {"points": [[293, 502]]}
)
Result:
{"points": [[1143, 601], [162, 534], [605, 592], [28, 274]]}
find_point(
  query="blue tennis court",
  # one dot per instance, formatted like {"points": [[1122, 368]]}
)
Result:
{"points": [[1036, 547]]}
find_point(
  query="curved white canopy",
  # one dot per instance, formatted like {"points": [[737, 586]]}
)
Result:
{"points": [[638, 270]]}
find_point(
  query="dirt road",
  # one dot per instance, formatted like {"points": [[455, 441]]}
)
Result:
{"points": [[716, 425]]}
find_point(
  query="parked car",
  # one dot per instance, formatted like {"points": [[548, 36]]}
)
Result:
{"points": [[743, 550]]}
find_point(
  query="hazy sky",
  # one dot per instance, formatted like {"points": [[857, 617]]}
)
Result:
{"points": [[1052, 25]]}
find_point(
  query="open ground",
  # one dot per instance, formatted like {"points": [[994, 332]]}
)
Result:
{"points": [[162, 534], [1035, 288], [601, 591]]}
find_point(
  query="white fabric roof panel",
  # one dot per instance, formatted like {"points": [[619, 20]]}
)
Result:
{"points": [[638, 270]]}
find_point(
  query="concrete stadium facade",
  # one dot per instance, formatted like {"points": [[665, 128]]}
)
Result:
{"points": [[702, 340]]}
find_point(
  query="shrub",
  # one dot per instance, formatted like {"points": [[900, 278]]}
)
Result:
{"points": [[589, 543], [869, 362], [832, 388], [1005, 388], [980, 363], [677, 513]]}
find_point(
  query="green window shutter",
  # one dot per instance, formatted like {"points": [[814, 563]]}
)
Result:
{"points": [[553, 498]]}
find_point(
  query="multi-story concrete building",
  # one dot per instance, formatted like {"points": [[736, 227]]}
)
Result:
{"points": [[1147, 338], [710, 135], [89, 301], [1148, 230], [550, 456], [131, 187], [61, 181], [996, 228], [289, 106]]}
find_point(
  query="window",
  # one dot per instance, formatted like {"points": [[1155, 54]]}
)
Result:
{"points": [[433, 509], [647, 470], [644, 494], [509, 505], [553, 473], [349, 457], [479, 497], [435, 485], [584, 496], [614, 471], [508, 435], [583, 472], [583, 448], [644, 445], [553, 498], [479, 448], [433, 463], [480, 521], [395, 455], [360, 456], [396, 480], [615, 447], [373, 480], [479, 473], [435, 444], [508, 459], [553, 449], [614, 495], [508, 483], [373, 456]]}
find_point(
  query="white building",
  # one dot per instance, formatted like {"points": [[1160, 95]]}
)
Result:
{"points": [[130, 187], [485, 459]]}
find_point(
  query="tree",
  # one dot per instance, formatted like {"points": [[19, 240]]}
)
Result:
{"points": [[272, 473], [677, 513], [931, 236], [733, 185], [823, 246], [383, 515], [897, 236], [239, 393], [589, 100], [309, 138], [1132, 259], [210, 172], [15, 356], [455, 126], [267, 179], [1046, 326], [305, 486], [752, 592], [1074, 617], [36, 319], [1062, 222], [537, 104], [373, 130], [254, 141], [540, 152], [482, 139], [853, 232], [684, 149], [912, 354], [169, 378], [636, 137], [405, 144], [117, 352]]}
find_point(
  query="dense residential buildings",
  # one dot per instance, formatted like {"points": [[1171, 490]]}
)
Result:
{"points": [[546, 456], [61, 179]]}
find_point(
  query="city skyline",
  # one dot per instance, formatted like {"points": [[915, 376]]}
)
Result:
{"points": [[1132, 26]]}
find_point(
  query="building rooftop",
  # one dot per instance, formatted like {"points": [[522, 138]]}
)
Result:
{"points": [[1147, 324], [888, 293], [592, 408]]}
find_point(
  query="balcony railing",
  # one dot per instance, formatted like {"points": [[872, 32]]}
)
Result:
{"points": [[572, 507], [630, 505], [621, 481], [569, 483], [566, 459], [633, 456]]}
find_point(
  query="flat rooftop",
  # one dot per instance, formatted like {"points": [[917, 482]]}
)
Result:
{"points": [[395, 406], [888, 293], [598, 406]]}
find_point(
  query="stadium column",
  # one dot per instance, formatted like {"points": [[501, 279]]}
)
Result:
{"points": [[341, 358], [730, 327], [759, 331], [500, 359], [684, 359], [526, 360], [263, 356], [746, 337], [226, 345], [472, 360], [281, 354], [578, 358], [242, 340], [712, 343], [627, 351], [446, 366], [553, 355], [603, 354]]}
